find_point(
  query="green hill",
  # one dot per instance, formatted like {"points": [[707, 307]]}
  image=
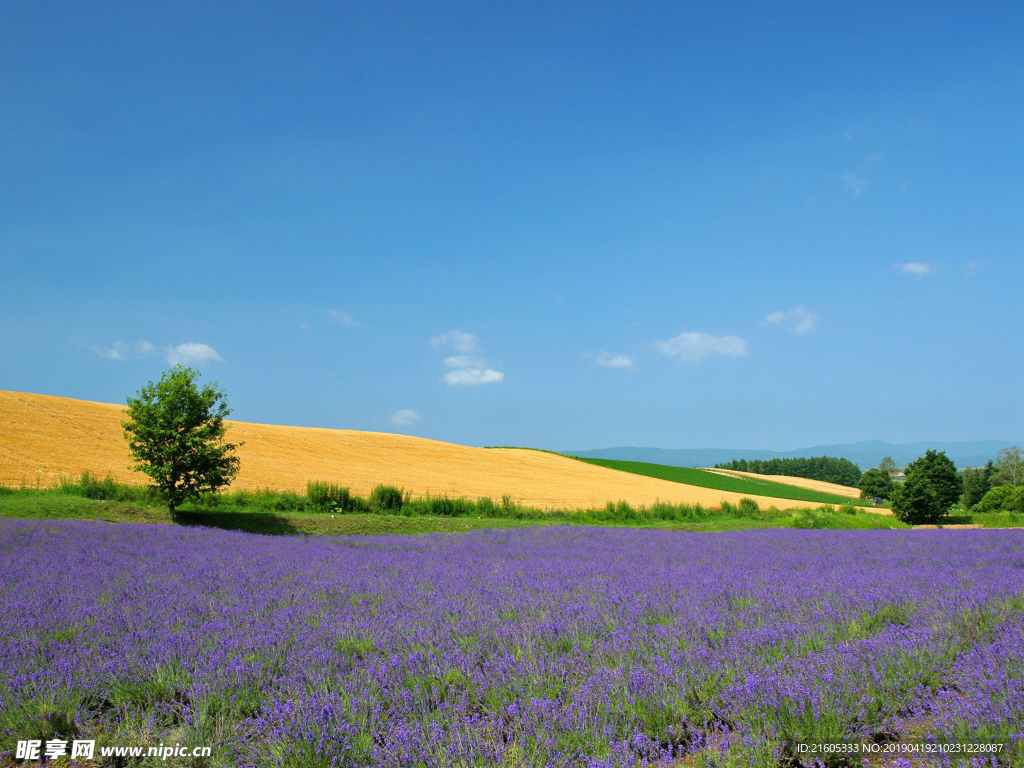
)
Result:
{"points": [[705, 479]]}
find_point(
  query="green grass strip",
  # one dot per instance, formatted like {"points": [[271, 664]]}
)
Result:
{"points": [[745, 486]]}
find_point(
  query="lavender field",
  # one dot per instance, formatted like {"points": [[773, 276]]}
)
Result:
{"points": [[553, 646]]}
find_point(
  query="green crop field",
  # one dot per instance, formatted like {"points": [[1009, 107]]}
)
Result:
{"points": [[705, 479]]}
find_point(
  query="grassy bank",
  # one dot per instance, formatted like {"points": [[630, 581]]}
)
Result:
{"points": [[331, 510], [705, 479]]}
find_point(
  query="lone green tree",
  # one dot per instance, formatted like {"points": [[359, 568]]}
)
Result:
{"points": [[175, 432], [915, 502], [940, 472], [1009, 467], [889, 466], [875, 483]]}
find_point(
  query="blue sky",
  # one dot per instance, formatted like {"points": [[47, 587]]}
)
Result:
{"points": [[564, 225]]}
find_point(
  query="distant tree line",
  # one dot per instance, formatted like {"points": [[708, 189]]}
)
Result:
{"points": [[827, 468]]}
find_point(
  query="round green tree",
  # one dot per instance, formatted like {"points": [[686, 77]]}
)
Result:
{"points": [[875, 483], [940, 472], [175, 432], [915, 501]]}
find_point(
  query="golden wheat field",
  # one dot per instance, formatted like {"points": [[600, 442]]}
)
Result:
{"points": [[799, 482], [43, 437]]}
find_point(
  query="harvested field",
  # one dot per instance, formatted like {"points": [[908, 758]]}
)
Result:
{"points": [[45, 437], [800, 482]]}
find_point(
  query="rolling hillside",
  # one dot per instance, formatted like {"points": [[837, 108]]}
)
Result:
{"points": [[799, 482], [746, 483], [43, 437]]}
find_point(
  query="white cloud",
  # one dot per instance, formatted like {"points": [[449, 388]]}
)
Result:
{"points": [[799, 320], [614, 360], [404, 418], [975, 264], [466, 370], [341, 317], [473, 377], [464, 361], [119, 350], [189, 354], [919, 268], [462, 341], [696, 347], [853, 183]]}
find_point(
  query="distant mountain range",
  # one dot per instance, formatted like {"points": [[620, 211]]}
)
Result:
{"points": [[972, 453]]}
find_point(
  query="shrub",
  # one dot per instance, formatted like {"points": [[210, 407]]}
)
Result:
{"points": [[748, 508], [89, 487], [107, 489], [328, 496], [485, 506], [440, 506], [1002, 498], [386, 498], [809, 518]]}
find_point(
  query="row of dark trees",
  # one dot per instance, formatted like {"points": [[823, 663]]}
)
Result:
{"points": [[827, 468]]}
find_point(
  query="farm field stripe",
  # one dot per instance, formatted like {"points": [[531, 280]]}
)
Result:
{"points": [[746, 486], [799, 482]]}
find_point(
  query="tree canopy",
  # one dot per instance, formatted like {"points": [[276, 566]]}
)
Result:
{"points": [[175, 432], [915, 501], [940, 472], [875, 483]]}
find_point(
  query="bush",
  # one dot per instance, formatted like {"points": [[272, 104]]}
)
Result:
{"points": [[328, 496], [1002, 498], [386, 499], [748, 508], [107, 489]]}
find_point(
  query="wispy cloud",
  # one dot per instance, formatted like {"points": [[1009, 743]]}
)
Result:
{"points": [[798, 320], [470, 371], [460, 340], [473, 377], [975, 264], [404, 417], [466, 370], [341, 317], [119, 350], [191, 354], [919, 268], [695, 347], [854, 184], [613, 360]]}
